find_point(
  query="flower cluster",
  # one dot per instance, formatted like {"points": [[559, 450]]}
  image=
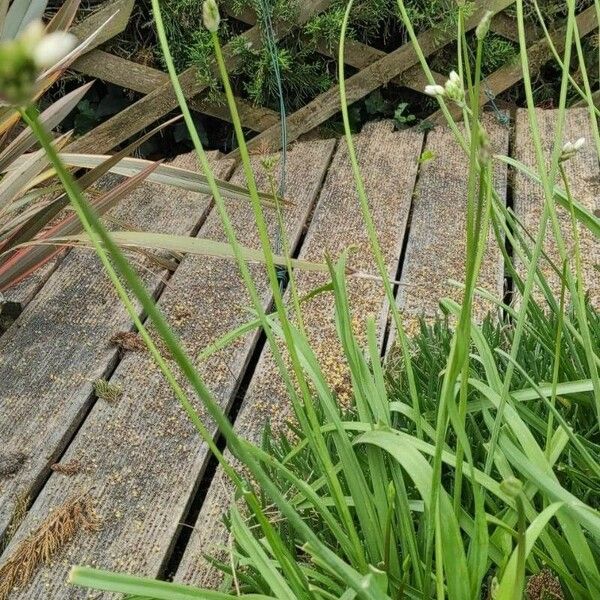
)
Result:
{"points": [[570, 149], [453, 89], [210, 15], [24, 59]]}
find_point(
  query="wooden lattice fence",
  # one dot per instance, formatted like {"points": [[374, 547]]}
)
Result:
{"points": [[376, 68]]}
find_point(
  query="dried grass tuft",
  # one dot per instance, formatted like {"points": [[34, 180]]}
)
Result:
{"points": [[128, 341], [41, 545], [109, 392], [72, 467]]}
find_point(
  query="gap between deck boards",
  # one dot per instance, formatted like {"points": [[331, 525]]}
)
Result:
{"points": [[35, 328], [113, 423]]}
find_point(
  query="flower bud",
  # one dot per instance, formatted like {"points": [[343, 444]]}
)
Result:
{"points": [[454, 88], [52, 48], [434, 90], [18, 73], [511, 486], [210, 15], [570, 149], [484, 25]]}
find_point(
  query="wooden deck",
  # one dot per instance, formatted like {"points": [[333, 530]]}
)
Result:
{"points": [[152, 482]]}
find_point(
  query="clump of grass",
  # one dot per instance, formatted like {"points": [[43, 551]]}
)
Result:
{"points": [[107, 391], [77, 514]]}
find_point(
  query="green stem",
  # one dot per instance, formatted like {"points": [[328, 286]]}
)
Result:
{"points": [[102, 243]]}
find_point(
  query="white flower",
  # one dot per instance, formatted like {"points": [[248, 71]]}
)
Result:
{"points": [[454, 88], [434, 90], [32, 34], [570, 149], [52, 48], [210, 15]]}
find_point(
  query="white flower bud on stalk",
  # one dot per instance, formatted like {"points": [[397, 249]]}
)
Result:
{"points": [[210, 15], [52, 48], [484, 25], [570, 149], [434, 90]]}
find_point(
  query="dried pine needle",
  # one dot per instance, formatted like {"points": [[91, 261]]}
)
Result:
{"points": [[42, 544]]}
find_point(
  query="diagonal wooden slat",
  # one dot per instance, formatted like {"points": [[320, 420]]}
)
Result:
{"points": [[141, 455], [144, 79], [119, 11], [162, 100], [538, 55], [337, 224], [365, 81]]}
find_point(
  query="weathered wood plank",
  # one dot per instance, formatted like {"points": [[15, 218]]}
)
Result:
{"points": [[144, 79], [15, 299], [141, 455], [51, 356], [162, 100], [435, 251], [389, 162], [505, 25], [118, 12], [365, 81], [584, 179], [538, 54]]}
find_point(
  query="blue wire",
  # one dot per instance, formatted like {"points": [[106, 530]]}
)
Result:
{"points": [[269, 37]]}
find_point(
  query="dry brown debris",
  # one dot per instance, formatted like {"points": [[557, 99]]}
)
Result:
{"points": [[42, 544], [544, 585], [128, 341], [71, 467], [10, 462]]}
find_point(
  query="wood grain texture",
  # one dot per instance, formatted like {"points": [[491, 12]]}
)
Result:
{"points": [[436, 250], [162, 100], [583, 175], [140, 455], [118, 12], [366, 80], [51, 356], [389, 164], [144, 79], [16, 298]]}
